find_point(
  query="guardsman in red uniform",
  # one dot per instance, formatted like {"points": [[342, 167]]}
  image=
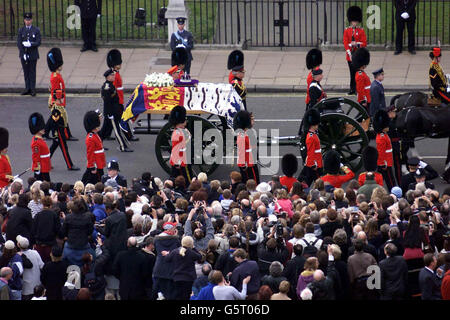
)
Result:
{"points": [[370, 158], [315, 91], [95, 152], [332, 166], [385, 161], [236, 65], [40, 152], [438, 81], [179, 59], [55, 63], [289, 166], [5, 166], [354, 38], [248, 167], [313, 164], [180, 139], [313, 61], [361, 59]]}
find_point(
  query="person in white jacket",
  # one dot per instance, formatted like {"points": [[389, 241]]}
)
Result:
{"points": [[32, 276]]}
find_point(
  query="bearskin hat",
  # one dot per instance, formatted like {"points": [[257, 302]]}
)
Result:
{"points": [[331, 162], [179, 56], [370, 158], [4, 138], [54, 59], [354, 13], [91, 121], [289, 164], [360, 57], [235, 60], [313, 58], [177, 115], [380, 121], [36, 122], [312, 118], [114, 58], [242, 120]]}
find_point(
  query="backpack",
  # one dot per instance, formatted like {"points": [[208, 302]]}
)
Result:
{"points": [[310, 249]]}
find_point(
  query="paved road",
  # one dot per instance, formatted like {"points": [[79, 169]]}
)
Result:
{"points": [[281, 112]]}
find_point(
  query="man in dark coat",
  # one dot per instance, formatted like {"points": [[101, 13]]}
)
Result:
{"points": [[429, 281], [294, 268], [405, 13], [54, 274], [150, 258], [28, 41], [420, 177], [377, 93], [183, 38], [245, 268], [90, 10], [413, 165], [394, 274], [20, 220], [130, 268]]}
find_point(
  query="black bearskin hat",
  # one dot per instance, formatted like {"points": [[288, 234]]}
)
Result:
{"points": [[380, 121], [177, 115], [289, 164], [313, 58], [331, 162], [354, 13], [4, 138], [360, 57], [312, 118], [370, 158], [235, 60], [36, 122], [242, 120], [91, 121], [114, 58], [179, 56], [54, 59]]}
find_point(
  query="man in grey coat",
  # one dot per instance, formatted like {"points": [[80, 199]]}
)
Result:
{"points": [[377, 93], [200, 238]]}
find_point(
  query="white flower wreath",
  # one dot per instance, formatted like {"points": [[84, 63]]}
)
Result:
{"points": [[158, 80]]}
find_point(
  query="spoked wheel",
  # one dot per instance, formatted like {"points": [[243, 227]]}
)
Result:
{"points": [[349, 107], [163, 146], [345, 135]]}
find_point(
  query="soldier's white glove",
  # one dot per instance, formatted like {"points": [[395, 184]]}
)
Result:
{"points": [[422, 164], [25, 57], [111, 117], [405, 15], [26, 44], [98, 16]]}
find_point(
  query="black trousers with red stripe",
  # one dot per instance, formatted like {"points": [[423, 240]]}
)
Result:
{"points": [[444, 97], [388, 177], [60, 141], [248, 173]]}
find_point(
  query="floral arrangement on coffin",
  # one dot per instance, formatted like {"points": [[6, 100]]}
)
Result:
{"points": [[158, 80]]}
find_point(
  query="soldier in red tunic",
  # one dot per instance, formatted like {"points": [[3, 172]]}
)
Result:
{"points": [[354, 38], [313, 163], [315, 91], [40, 152], [361, 59], [95, 152], [248, 167], [5, 166], [385, 161], [180, 139], [179, 59], [313, 61], [236, 65], [370, 158], [332, 166]]}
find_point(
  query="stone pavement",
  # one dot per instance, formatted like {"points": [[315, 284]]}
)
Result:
{"points": [[267, 71]]}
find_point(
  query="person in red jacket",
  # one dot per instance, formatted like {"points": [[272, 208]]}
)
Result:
{"points": [[95, 152], [445, 285], [385, 161], [332, 166], [313, 61], [236, 65], [179, 59], [248, 167], [361, 59], [313, 162], [354, 38], [370, 158], [40, 151], [289, 166], [5, 166]]}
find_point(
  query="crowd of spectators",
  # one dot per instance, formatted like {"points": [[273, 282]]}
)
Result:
{"points": [[222, 240]]}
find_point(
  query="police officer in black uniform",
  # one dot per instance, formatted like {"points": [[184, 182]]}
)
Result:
{"points": [[405, 14], [28, 41], [183, 38], [415, 164], [113, 174], [112, 112], [90, 10]]}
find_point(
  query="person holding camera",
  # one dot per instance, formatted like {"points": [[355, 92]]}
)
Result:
{"points": [[200, 238]]}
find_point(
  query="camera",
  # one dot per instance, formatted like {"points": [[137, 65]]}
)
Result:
{"points": [[279, 229], [371, 205]]}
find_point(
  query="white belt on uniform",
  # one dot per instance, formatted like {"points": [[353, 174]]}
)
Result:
{"points": [[318, 151], [368, 87], [390, 150], [100, 151], [45, 155], [121, 88]]}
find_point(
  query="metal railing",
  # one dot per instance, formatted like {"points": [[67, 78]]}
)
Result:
{"points": [[256, 23]]}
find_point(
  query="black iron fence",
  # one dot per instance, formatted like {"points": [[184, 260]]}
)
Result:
{"points": [[256, 23]]}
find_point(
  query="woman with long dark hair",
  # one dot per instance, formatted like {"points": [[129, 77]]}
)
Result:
{"points": [[414, 239]]}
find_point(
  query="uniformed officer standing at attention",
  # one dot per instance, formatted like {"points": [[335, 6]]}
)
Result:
{"points": [[236, 65], [313, 61], [377, 93], [354, 38], [183, 38], [28, 41], [405, 13], [315, 91], [90, 10]]}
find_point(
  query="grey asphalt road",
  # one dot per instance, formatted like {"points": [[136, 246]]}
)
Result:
{"points": [[273, 112]]}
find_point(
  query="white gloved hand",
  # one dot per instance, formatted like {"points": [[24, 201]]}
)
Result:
{"points": [[25, 57], [111, 117], [26, 44], [99, 15], [422, 164], [341, 165], [405, 15]]}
